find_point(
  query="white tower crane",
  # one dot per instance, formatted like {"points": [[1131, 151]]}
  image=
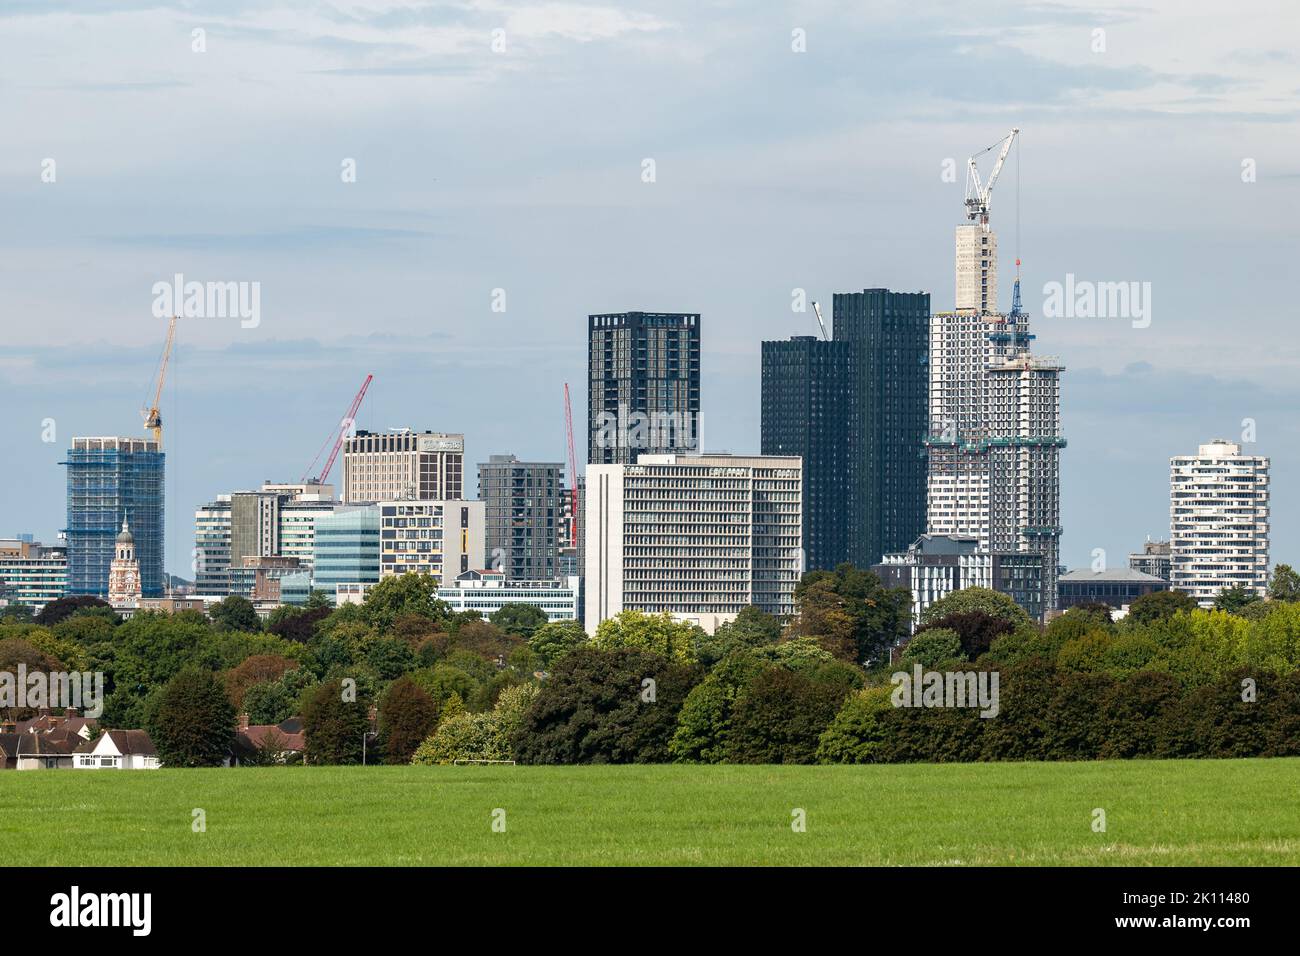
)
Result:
{"points": [[977, 194]]}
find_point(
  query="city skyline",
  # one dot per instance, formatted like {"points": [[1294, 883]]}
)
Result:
{"points": [[827, 188]]}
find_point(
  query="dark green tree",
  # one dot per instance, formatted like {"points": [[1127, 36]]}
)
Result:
{"points": [[519, 620], [333, 725], [1159, 605], [192, 721], [235, 613], [780, 717], [407, 715], [1284, 585], [1235, 598]]}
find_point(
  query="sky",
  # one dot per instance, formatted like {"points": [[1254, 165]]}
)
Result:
{"points": [[387, 173]]}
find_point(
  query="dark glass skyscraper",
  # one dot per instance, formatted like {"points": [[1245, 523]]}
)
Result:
{"points": [[856, 409], [109, 478], [808, 410], [889, 333], [643, 393]]}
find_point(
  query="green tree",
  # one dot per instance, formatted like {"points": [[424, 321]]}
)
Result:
{"points": [[1235, 599], [485, 736], [658, 633], [192, 722], [60, 608], [597, 706], [976, 599], [407, 715], [1158, 606], [931, 648], [752, 627], [400, 594], [851, 614], [780, 717], [553, 640], [859, 729], [235, 613], [333, 726], [520, 620], [1284, 585]]}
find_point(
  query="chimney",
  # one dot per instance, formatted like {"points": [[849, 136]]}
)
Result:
{"points": [[70, 712], [243, 721]]}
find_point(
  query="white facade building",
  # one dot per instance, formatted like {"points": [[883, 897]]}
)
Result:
{"points": [[1218, 521], [693, 536], [489, 591]]}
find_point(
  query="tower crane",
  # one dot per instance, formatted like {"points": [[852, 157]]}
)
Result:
{"points": [[339, 433], [977, 194], [573, 471], [150, 414]]}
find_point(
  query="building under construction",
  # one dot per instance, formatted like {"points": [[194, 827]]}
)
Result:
{"points": [[994, 441]]}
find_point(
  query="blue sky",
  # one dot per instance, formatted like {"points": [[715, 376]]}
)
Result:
{"points": [[521, 170]]}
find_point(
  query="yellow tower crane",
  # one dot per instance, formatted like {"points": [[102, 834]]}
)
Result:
{"points": [[153, 420]]}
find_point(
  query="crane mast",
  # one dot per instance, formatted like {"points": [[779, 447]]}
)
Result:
{"points": [[573, 471], [818, 309], [978, 195], [150, 413]]}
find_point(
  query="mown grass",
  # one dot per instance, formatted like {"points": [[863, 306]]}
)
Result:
{"points": [[1206, 812]]}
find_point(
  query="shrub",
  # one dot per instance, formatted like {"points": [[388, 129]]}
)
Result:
{"points": [[780, 717], [858, 730]]}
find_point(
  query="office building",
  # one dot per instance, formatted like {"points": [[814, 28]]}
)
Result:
{"points": [[279, 520], [488, 591], [109, 478], [403, 464], [32, 574], [1153, 559], [694, 536], [643, 393], [808, 411], [439, 538], [524, 513], [1117, 587], [258, 577], [936, 565], [346, 549], [1218, 521]]}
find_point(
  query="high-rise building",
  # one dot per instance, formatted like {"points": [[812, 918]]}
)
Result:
{"points": [[524, 512], [643, 393], [994, 437], [278, 520], [30, 573], [1218, 521], [1153, 559], [439, 538], [808, 411], [700, 537], [108, 478], [888, 333], [854, 408], [403, 464]]}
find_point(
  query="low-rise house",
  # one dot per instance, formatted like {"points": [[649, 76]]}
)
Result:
{"points": [[43, 752], [118, 750], [8, 750], [268, 743]]}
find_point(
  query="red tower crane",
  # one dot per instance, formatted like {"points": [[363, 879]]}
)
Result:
{"points": [[573, 471], [338, 434]]}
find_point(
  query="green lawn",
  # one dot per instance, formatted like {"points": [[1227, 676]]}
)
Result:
{"points": [[1157, 812]]}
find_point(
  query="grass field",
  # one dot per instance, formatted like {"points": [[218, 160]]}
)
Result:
{"points": [[1157, 812]]}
